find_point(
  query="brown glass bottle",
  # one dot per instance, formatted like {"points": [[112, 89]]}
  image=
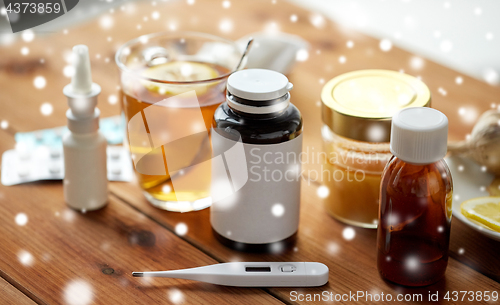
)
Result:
{"points": [[414, 222]]}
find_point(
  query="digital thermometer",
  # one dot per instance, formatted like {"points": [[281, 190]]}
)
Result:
{"points": [[250, 274]]}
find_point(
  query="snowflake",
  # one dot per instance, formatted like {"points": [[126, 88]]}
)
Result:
{"points": [[333, 248], [181, 229], [28, 35], [39, 82], [385, 45], [272, 27], [348, 233], [144, 39], [68, 214], [317, 21], [25, 51], [376, 132], [172, 26], [166, 189], [491, 76], [112, 99], [468, 114], [412, 263], [46, 109], [277, 247], [176, 296], [106, 22], [417, 63], [323, 191], [21, 219], [69, 71], [78, 292], [25, 258], [302, 55], [278, 210]]}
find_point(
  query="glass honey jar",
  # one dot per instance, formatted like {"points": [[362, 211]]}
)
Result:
{"points": [[357, 108]]}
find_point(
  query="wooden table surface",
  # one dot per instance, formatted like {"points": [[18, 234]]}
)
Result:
{"points": [[65, 257]]}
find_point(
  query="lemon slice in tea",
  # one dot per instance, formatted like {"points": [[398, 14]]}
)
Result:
{"points": [[179, 71], [485, 210]]}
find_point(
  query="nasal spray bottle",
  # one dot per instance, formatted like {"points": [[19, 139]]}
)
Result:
{"points": [[85, 176]]}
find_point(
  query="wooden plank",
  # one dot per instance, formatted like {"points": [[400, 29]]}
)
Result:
{"points": [[11, 296], [60, 254], [352, 263]]}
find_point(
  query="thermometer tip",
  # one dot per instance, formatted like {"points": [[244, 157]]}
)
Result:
{"points": [[137, 274]]}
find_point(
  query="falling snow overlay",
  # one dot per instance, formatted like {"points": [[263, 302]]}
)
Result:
{"points": [[349, 42]]}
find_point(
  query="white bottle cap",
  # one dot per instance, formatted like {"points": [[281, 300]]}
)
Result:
{"points": [[419, 135], [258, 91], [258, 84]]}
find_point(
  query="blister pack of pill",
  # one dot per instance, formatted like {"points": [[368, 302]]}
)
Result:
{"points": [[25, 164], [112, 128]]}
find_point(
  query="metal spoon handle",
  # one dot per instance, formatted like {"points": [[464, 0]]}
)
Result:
{"points": [[245, 54]]}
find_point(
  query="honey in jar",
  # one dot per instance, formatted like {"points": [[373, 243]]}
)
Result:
{"points": [[357, 109]]}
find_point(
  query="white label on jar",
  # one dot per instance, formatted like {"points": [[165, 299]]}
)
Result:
{"points": [[255, 189]]}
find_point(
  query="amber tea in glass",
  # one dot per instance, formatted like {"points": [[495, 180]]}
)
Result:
{"points": [[171, 85]]}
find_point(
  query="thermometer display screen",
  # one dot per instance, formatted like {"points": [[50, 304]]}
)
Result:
{"points": [[258, 269]]}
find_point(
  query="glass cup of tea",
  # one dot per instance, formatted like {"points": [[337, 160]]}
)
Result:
{"points": [[171, 84]]}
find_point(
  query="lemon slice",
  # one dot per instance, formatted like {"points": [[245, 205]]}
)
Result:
{"points": [[179, 71], [485, 210]]}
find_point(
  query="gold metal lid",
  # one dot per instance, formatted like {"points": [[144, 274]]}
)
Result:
{"points": [[359, 105]]}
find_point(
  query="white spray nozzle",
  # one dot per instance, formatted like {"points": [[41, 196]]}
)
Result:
{"points": [[82, 93], [81, 82]]}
